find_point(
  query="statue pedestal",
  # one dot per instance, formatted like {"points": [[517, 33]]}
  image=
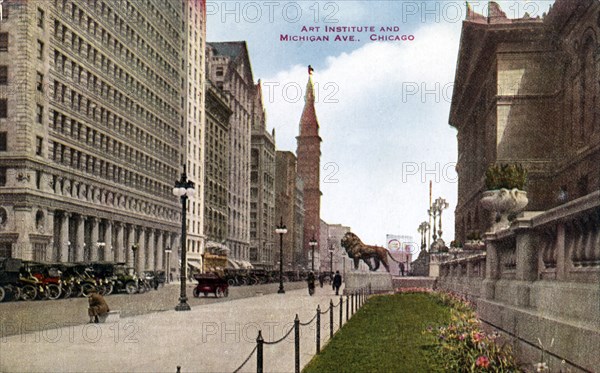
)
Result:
{"points": [[381, 282]]}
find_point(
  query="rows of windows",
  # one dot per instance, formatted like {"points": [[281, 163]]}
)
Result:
{"points": [[77, 45], [121, 26], [99, 115], [99, 141], [88, 163]]}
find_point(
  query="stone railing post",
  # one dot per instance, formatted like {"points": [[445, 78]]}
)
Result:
{"points": [[491, 268]]}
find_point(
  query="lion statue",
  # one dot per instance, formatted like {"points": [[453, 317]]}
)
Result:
{"points": [[357, 250]]}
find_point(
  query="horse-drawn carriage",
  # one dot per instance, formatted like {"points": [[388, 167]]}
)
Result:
{"points": [[211, 283]]}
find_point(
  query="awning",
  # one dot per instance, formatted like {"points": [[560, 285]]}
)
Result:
{"points": [[194, 263]]}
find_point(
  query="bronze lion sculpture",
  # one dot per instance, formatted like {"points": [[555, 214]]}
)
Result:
{"points": [[357, 250]]}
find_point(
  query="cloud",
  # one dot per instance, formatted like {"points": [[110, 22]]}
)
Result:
{"points": [[373, 131]]}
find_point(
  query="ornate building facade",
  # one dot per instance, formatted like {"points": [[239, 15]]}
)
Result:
{"points": [[231, 71], [262, 187], [193, 60], [91, 136], [289, 208], [309, 166], [216, 176], [526, 91]]}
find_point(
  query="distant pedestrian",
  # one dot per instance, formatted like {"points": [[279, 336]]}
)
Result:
{"points": [[321, 279], [401, 265], [170, 276], [337, 282], [98, 306]]}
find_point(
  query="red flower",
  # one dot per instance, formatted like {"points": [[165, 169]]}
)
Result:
{"points": [[483, 362], [477, 337]]}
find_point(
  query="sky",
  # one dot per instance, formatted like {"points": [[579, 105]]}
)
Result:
{"points": [[383, 106]]}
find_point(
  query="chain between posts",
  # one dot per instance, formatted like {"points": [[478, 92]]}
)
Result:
{"points": [[357, 298]]}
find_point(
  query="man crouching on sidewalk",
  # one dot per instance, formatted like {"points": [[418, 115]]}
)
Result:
{"points": [[98, 306]]}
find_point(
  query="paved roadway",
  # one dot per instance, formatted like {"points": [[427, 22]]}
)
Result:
{"points": [[22, 317], [212, 337]]}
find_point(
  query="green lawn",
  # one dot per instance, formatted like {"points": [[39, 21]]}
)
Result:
{"points": [[386, 335]]}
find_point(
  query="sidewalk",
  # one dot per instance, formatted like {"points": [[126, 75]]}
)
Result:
{"points": [[210, 338]]}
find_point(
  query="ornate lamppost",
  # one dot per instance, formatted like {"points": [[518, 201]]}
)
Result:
{"points": [[184, 189], [281, 230], [312, 243], [168, 271], [433, 212], [423, 229], [441, 206]]}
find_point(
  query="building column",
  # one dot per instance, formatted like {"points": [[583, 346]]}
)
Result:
{"points": [[140, 262], [64, 237], [150, 251], [159, 250], [119, 244], [52, 248], [79, 238], [109, 255], [94, 238], [130, 243]]}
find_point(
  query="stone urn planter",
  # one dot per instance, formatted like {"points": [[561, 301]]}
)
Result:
{"points": [[504, 202]]}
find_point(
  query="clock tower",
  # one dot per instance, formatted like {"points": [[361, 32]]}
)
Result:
{"points": [[308, 167]]}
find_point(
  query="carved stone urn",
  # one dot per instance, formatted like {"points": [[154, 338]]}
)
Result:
{"points": [[504, 202]]}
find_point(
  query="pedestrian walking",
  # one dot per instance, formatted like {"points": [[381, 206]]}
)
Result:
{"points": [[321, 279], [337, 282], [98, 306]]}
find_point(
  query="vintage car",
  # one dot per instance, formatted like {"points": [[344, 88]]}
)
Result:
{"points": [[211, 283]]}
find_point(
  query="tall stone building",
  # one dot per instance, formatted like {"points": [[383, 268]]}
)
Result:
{"points": [[526, 91], [91, 130], [193, 60], [289, 208], [262, 187], [309, 156], [216, 176], [231, 71]]}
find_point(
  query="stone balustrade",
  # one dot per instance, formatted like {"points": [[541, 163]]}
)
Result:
{"points": [[541, 280]]}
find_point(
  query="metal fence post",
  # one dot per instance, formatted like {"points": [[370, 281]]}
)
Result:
{"points": [[341, 311], [297, 343], [352, 305], [347, 306], [318, 328], [259, 352], [330, 318]]}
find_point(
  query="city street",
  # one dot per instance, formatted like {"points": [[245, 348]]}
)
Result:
{"points": [[213, 337]]}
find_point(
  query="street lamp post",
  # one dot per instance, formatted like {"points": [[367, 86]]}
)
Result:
{"points": [[441, 206], [331, 249], [423, 229], [281, 230], [134, 249], [168, 270], [312, 243], [184, 189]]}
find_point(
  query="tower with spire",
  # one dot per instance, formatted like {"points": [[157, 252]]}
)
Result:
{"points": [[308, 166]]}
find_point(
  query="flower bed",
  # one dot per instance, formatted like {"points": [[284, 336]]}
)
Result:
{"points": [[463, 346]]}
